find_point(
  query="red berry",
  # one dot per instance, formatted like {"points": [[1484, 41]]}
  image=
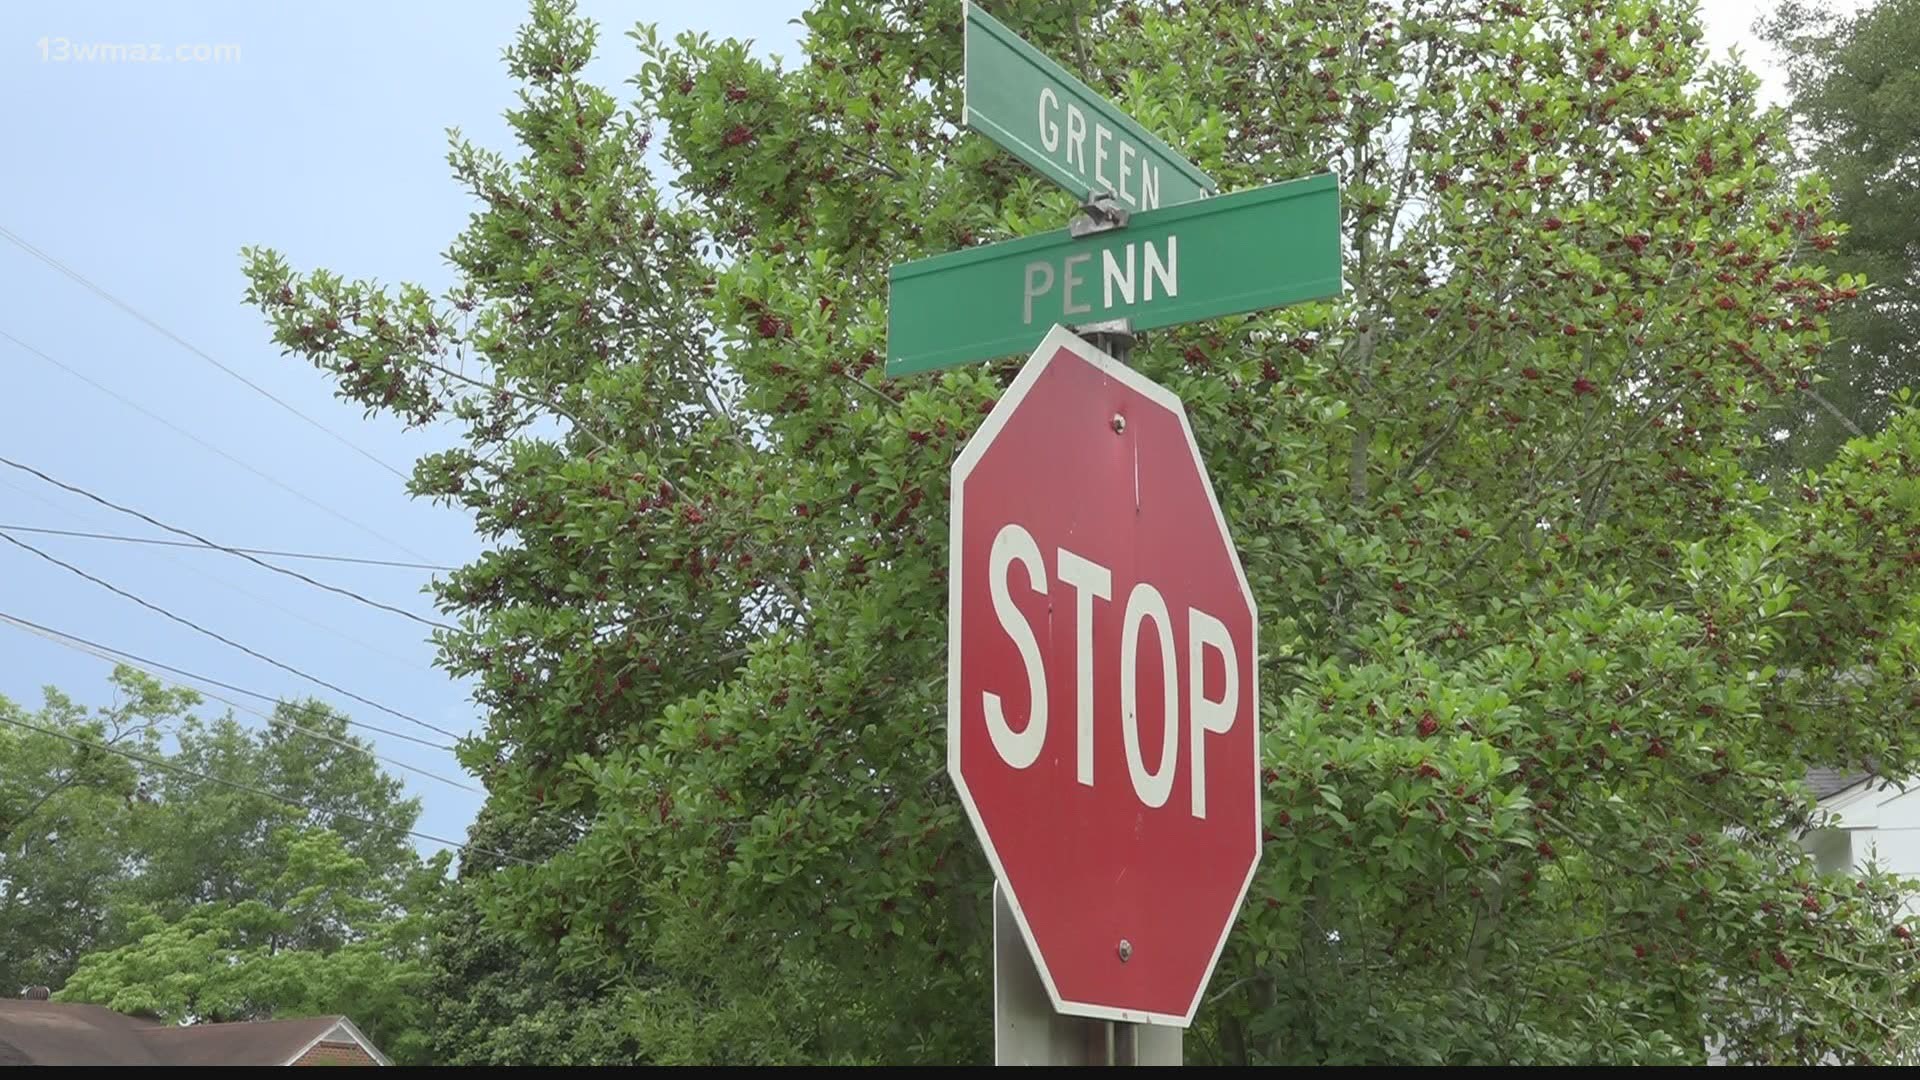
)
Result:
{"points": [[1530, 373], [1552, 224], [1582, 386], [1569, 329], [736, 93], [1638, 242], [1545, 849], [1432, 313], [739, 133], [1428, 725], [1903, 933], [1577, 676], [1781, 959], [1724, 303]]}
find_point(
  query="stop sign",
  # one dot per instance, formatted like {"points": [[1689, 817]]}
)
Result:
{"points": [[1102, 695]]}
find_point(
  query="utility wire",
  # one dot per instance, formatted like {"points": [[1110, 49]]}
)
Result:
{"points": [[249, 551], [102, 653], [142, 662], [110, 504], [229, 642], [190, 347], [409, 665], [181, 770], [205, 445]]}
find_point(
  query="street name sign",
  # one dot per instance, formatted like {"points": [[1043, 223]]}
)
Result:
{"points": [[1103, 686], [1226, 255], [1044, 116]]}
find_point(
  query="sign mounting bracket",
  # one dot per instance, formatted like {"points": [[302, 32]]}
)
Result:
{"points": [[1099, 214]]}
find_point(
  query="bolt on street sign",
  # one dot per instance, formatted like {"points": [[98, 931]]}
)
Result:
{"points": [[1044, 116], [1226, 255]]}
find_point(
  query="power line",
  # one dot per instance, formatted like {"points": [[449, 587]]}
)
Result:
{"points": [[180, 770], [101, 653], [249, 551], [205, 445], [300, 616], [110, 504], [142, 662], [229, 642], [190, 347]]}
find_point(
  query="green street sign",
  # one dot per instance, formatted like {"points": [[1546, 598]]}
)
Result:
{"points": [[1226, 255], [1047, 118]]}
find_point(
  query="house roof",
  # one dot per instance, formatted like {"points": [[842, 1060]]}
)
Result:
{"points": [[1827, 782], [263, 1042], [55, 1033], [58, 1033]]}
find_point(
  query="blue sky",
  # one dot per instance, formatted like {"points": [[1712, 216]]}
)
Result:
{"points": [[324, 138]]}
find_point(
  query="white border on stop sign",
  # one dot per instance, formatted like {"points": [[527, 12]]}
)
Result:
{"points": [[1042, 357]]}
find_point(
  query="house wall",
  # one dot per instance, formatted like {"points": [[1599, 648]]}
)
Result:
{"points": [[332, 1053], [1832, 850], [1882, 830]]}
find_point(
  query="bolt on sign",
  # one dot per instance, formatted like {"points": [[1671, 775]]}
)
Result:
{"points": [[1102, 713]]}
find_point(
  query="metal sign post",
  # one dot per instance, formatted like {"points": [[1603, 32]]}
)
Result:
{"points": [[1027, 1030]]}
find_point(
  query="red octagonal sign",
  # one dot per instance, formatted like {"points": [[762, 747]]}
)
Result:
{"points": [[1102, 696]]}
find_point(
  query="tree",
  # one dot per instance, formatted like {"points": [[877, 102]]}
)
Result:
{"points": [[67, 820], [1856, 100], [1543, 660], [226, 961], [197, 870], [208, 842], [494, 1000]]}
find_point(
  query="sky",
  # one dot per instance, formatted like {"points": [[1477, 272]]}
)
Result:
{"points": [[318, 130]]}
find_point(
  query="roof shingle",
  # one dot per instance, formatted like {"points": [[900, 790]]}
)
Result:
{"points": [[58, 1033]]}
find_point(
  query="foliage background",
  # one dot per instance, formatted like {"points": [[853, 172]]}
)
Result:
{"points": [[1552, 625]]}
